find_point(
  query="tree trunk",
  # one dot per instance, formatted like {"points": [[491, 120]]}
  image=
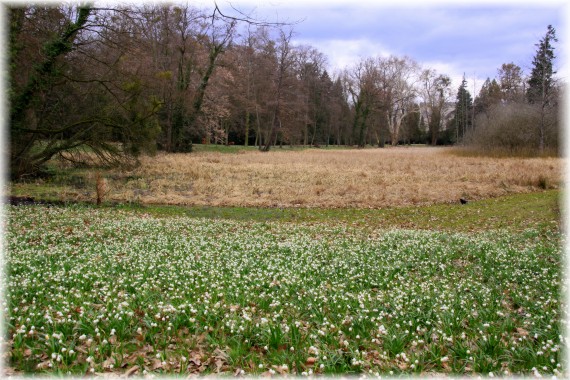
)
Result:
{"points": [[246, 143], [43, 73]]}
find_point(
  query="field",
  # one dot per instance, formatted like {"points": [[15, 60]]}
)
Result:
{"points": [[369, 178], [151, 289]]}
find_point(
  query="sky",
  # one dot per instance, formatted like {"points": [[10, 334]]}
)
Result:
{"points": [[452, 37]]}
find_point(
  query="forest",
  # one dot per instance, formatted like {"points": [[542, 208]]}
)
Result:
{"points": [[117, 82]]}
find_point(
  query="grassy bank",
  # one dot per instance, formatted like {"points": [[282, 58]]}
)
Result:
{"points": [[514, 212]]}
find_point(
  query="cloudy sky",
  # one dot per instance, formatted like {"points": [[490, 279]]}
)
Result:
{"points": [[452, 37]]}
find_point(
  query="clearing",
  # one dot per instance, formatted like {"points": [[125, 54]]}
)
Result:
{"points": [[367, 178], [151, 289]]}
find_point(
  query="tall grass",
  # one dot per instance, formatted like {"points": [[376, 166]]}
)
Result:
{"points": [[502, 152], [370, 178]]}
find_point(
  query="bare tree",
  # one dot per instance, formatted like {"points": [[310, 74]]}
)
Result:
{"points": [[361, 84], [399, 77], [74, 86], [284, 62], [435, 93], [511, 82]]}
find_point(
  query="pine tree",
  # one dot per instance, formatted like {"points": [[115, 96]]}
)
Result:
{"points": [[540, 83], [541, 89], [463, 109], [489, 95]]}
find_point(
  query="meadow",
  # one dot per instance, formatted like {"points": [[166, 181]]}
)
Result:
{"points": [[144, 289], [352, 178]]}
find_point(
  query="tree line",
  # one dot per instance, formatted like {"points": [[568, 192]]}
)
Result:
{"points": [[515, 113], [111, 83]]}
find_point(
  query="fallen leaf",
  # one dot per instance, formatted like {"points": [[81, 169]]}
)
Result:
{"points": [[219, 364], [156, 364], [131, 359], [132, 370], [43, 365], [220, 354], [522, 332], [281, 369], [201, 338], [108, 362], [147, 348], [184, 331], [9, 371]]}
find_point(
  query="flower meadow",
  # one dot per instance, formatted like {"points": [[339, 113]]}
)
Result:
{"points": [[109, 291]]}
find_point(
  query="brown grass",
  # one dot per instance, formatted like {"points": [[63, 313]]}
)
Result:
{"points": [[330, 178]]}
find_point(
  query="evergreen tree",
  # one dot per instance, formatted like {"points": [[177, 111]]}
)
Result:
{"points": [[463, 108], [541, 89], [489, 95], [540, 84]]}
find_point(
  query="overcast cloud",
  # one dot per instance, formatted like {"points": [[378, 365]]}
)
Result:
{"points": [[474, 39]]}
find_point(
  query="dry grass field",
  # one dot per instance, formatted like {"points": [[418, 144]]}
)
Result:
{"points": [[369, 178]]}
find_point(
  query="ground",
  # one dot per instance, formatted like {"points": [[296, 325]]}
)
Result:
{"points": [[432, 287], [356, 178]]}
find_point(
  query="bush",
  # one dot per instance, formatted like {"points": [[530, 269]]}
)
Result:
{"points": [[513, 127]]}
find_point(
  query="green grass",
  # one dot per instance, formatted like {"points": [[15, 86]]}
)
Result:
{"points": [[173, 290], [221, 148], [512, 212], [240, 148]]}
